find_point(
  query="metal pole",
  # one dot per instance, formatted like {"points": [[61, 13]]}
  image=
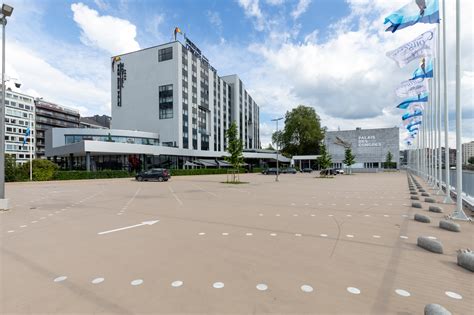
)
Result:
{"points": [[458, 213], [31, 147], [447, 174], [3, 201], [438, 109]]}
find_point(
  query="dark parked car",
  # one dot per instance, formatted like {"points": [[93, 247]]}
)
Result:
{"points": [[329, 171], [271, 171], [307, 170], [159, 174], [291, 170]]}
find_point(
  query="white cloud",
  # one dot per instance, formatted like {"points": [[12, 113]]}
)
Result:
{"points": [[275, 2], [101, 4], [114, 35], [215, 19], [300, 8], [252, 10]]}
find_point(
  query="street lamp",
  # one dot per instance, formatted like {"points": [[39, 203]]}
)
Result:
{"points": [[276, 120], [6, 11]]}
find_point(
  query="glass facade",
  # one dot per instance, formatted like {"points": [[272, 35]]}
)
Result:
{"points": [[166, 101], [120, 139]]}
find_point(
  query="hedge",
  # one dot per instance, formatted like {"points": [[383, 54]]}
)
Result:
{"points": [[208, 171], [68, 175]]}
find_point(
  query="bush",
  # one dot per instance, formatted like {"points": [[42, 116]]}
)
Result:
{"points": [[11, 169], [42, 170], [69, 175], [209, 171]]}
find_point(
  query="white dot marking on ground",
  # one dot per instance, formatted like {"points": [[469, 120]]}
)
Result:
{"points": [[376, 236], [218, 285], [201, 233], [177, 283], [306, 204], [348, 215], [402, 292], [405, 215], [348, 204], [293, 204], [386, 215], [11, 231], [42, 218], [306, 288], [262, 287], [453, 295], [298, 234], [119, 213], [403, 237], [225, 234], [330, 215], [50, 214], [313, 215], [350, 235], [60, 278], [353, 290], [295, 215], [273, 234], [362, 204], [277, 215], [323, 235], [248, 234], [136, 282], [367, 215], [333, 204], [23, 226], [97, 280], [34, 222], [260, 214]]}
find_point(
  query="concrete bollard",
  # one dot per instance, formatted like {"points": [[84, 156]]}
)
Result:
{"points": [[414, 198], [422, 218], [422, 190], [466, 259], [416, 205], [430, 200], [436, 309], [450, 226], [413, 193], [433, 246], [435, 209], [424, 194]]}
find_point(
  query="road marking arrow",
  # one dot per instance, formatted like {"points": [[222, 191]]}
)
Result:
{"points": [[130, 227]]}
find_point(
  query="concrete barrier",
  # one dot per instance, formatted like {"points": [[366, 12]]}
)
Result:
{"points": [[466, 259], [414, 198], [435, 209], [416, 205], [450, 226], [430, 200], [422, 218], [436, 309], [413, 193], [425, 194], [422, 190], [429, 244]]}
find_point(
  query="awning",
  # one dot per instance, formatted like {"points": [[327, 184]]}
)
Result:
{"points": [[188, 163], [224, 163], [206, 163]]}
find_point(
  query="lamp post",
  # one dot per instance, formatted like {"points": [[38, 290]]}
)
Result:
{"points": [[276, 120], [6, 11]]}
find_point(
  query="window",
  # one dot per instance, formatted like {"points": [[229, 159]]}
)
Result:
{"points": [[166, 101], [165, 54]]}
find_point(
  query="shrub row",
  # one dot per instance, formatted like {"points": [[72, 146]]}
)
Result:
{"points": [[68, 175], [208, 171]]}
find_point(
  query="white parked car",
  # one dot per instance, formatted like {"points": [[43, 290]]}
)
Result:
{"points": [[339, 171]]}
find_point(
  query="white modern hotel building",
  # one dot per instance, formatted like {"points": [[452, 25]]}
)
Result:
{"points": [[170, 95]]}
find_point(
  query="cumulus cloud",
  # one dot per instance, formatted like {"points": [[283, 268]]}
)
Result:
{"points": [[252, 10], [215, 19], [300, 8], [112, 34]]}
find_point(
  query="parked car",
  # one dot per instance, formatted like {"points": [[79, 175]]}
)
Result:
{"points": [[328, 171], [339, 171], [270, 171], [307, 170], [291, 170], [159, 174]]}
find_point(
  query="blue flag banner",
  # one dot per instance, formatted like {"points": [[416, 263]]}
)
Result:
{"points": [[413, 124], [411, 115], [421, 98], [417, 11], [425, 70], [27, 134]]}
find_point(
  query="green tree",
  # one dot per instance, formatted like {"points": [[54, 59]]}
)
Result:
{"points": [[325, 159], [302, 133], [388, 160], [42, 170], [349, 159], [11, 168], [471, 160], [235, 149]]}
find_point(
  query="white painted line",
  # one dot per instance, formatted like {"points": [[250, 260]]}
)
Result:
{"points": [[175, 196], [248, 234], [330, 215], [218, 285], [306, 204], [23, 226], [120, 213], [11, 231], [348, 215], [402, 292], [298, 234], [97, 280], [262, 287], [350, 235], [260, 214], [177, 283], [201, 233], [42, 218], [293, 204], [295, 215], [323, 235], [273, 234], [34, 222], [386, 215], [277, 215], [453, 295], [60, 278], [129, 227], [405, 215], [225, 233], [333, 204], [376, 204], [376, 236], [348, 204], [403, 237], [362, 204], [307, 288], [136, 282], [50, 214], [353, 290], [313, 215], [367, 215]]}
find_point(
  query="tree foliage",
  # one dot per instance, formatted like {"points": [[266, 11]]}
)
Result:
{"points": [[302, 134], [388, 160], [42, 169], [235, 149], [349, 159], [325, 159], [471, 160]]}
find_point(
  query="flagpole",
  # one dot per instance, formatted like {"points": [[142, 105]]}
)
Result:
{"points": [[435, 126], [31, 147], [458, 213], [447, 174], [430, 135]]}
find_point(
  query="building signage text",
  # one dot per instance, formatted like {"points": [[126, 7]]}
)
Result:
{"points": [[368, 141], [121, 77]]}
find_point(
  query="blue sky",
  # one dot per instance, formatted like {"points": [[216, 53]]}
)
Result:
{"points": [[329, 54]]}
